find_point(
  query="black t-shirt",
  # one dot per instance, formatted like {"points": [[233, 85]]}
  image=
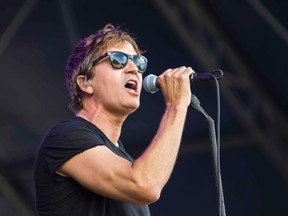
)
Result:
{"points": [[58, 195]]}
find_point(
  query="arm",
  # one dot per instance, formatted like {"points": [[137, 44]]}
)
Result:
{"points": [[103, 172]]}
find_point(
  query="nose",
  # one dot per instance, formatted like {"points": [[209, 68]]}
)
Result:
{"points": [[132, 68]]}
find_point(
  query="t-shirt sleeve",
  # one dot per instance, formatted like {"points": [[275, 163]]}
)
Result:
{"points": [[67, 140]]}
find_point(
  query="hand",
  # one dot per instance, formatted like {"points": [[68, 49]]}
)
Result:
{"points": [[175, 86]]}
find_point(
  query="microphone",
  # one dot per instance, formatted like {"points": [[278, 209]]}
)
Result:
{"points": [[151, 85]]}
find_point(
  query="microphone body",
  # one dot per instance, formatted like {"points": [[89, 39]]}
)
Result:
{"points": [[151, 85]]}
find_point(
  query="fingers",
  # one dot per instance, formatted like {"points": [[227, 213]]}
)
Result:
{"points": [[175, 85], [179, 71]]}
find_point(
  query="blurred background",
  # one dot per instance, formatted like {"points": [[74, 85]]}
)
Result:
{"points": [[248, 40]]}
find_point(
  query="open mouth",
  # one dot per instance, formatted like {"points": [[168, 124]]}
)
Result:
{"points": [[131, 84]]}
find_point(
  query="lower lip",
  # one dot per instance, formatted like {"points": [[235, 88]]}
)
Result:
{"points": [[131, 91]]}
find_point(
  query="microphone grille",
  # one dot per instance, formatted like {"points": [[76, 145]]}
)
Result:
{"points": [[150, 83]]}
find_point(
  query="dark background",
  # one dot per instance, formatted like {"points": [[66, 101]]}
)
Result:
{"points": [[248, 40]]}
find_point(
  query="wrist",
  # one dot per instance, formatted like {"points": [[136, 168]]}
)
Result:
{"points": [[177, 106]]}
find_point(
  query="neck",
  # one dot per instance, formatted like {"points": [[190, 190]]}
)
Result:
{"points": [[110, 124]]}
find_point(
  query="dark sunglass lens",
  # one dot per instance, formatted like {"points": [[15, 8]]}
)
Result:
{"points": [[140, 62], [118, 60]]}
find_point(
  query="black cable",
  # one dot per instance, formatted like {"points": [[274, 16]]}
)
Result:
{"points": [[221, 198], [215, 141]]}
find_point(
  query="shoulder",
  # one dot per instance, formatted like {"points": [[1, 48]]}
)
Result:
{"points": [[74, 126], [67, 139], [70, 124], [73, 132]]}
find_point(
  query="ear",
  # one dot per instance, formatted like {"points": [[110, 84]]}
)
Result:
{"points": [[84, 84]]}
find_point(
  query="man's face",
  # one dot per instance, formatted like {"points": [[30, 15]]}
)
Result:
{"points": [[117, 90]]}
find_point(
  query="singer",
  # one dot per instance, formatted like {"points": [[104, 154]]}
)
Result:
{"points": [[81, 166]]}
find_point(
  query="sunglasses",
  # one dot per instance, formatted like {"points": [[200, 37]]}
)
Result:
{"points": [[119, 60]]}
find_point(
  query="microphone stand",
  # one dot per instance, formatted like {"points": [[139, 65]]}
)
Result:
{"points": [[215, 151]]}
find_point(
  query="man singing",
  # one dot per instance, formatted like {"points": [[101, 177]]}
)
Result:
{"points": [[81, 167]]}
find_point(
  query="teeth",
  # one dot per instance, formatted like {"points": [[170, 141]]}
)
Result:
{"points": [[131, 84]]}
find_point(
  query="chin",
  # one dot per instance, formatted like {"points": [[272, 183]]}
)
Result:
{"points": [[133, 108]]}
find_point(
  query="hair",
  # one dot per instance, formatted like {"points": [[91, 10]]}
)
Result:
{"points": [[87, 50]]}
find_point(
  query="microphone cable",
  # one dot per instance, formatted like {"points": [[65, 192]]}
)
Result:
{"points": [[215, 139], [222, 210]]}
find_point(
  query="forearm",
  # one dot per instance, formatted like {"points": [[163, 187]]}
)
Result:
{"points": [[155, 165]]}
